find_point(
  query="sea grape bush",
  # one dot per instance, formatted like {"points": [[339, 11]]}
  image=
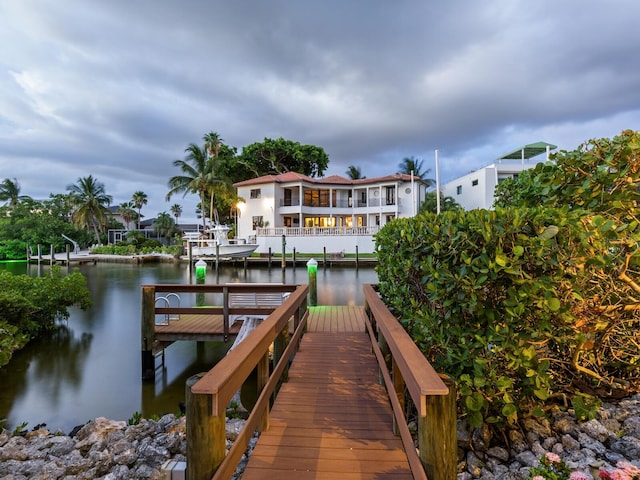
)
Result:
{"points": [[487, 296]]}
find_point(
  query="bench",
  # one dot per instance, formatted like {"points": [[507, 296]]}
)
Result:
{"points": [[255, 301]]}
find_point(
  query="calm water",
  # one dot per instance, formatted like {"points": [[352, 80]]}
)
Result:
{"points": [[91, 366]]}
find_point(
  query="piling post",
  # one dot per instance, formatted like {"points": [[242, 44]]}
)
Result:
{"points": [[263, 378], [52, 260], [39, 253], [324, 257], [294, 257], [217, 256], [206, 436], [437, 442], [312, 270], [147, 326], [68, 255], [357, 258], [269, 260], [283, 262]]}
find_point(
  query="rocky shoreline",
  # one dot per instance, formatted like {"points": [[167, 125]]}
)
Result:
{"points": [[112, 450]]}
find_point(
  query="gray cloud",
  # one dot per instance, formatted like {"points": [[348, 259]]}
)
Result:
{"points": [[118, 89]]}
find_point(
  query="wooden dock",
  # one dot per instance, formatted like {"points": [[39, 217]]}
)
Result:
{"points": [[331, 403], [332, 418]]}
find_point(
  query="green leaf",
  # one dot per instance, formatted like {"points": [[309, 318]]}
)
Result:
{"points": [[553, 304]]}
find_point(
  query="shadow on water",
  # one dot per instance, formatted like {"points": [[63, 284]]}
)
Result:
{"points": [[90, 366]]}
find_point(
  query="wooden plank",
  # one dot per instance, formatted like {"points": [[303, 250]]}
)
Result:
{"points": [[332, 419]]}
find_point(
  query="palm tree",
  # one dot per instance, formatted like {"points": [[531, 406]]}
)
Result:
{"points": [[354, 173], [10, 192], [176, 211], [91, 204], [139, 199], [199, 175], [412, 165], [127, 213], [163, 224], [212, 145]]}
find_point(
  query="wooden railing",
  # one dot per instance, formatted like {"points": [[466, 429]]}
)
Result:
{"points": [[227, 309], [433, 395], [208, 394]]}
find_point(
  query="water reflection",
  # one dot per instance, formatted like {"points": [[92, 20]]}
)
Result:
{"points": [[90, 367]]}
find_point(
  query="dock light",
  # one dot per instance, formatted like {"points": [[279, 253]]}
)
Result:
{"points": [[312, 270], [201, 273]]}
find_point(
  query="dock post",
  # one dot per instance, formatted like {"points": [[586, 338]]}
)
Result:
{"points": [[52, 260], [312, 270], [283, 262], [269, 261], [39, 253], [357, 258], [437, 443], [324, 257], [294, 257], [217, 256], [263, 378], [68, 255], [206, 435], [148, 332]]}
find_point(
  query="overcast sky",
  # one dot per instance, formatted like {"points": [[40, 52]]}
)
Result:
{"points": [[119, 88]]}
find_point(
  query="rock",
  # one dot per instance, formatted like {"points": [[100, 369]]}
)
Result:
{"points": [[498, 452]]}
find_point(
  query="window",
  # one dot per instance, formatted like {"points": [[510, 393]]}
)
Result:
{"points": [[459, 190], [474, 183], [257, 221], [391, 195], [255, 193]]}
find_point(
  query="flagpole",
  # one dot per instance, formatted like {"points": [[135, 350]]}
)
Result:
{"points": [[437, 185]]}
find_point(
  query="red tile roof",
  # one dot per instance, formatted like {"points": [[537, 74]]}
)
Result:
{"points": [[333, 179]]}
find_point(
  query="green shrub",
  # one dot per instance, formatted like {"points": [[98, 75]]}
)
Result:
{"points": [[488, 297], [31, 305]]}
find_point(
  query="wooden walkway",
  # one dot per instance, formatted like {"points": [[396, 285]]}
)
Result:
{"points": [[332, 418]]}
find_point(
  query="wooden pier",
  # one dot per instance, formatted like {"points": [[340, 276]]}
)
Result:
{"points": [[334, 384]]}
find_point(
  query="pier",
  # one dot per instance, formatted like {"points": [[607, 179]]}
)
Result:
{"points": [[334, 384]]}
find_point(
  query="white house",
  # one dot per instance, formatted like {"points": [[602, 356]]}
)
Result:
{"points": [[332, 213], [476, 189]]}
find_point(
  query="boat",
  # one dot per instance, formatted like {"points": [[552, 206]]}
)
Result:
{"points": [[220, 245]]}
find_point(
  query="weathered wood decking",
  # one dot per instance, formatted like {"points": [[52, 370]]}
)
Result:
{"points": [[332, 418]]}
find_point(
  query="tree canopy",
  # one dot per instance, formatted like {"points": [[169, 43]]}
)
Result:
{"points": [[273, 157], [91, 204]]}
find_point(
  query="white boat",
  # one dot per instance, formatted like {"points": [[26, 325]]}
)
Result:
{"points": [[219, 245]]}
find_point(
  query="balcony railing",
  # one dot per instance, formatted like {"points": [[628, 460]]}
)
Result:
{"points": [[315, 231]]}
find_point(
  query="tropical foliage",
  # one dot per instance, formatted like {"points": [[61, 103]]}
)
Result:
{"points": [[414, 166], [202, 175], [33, 223], [139, 199], [10, 192], [430, 203], [273, 157], [354, 173], [526, 303], [91, 204], [31, 305]]}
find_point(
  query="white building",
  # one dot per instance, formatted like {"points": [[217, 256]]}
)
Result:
{"points": [[332, 213], [476, 189]]}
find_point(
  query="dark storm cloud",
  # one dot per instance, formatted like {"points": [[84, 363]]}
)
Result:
{"points": [[118, 89]]}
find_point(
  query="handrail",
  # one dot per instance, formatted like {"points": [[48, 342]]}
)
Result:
{"points": [[433, 396], [209, 396], [150, 310]]}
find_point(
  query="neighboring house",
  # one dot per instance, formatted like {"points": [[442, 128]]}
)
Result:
{"points": [[332, 213], [476, 189]]}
